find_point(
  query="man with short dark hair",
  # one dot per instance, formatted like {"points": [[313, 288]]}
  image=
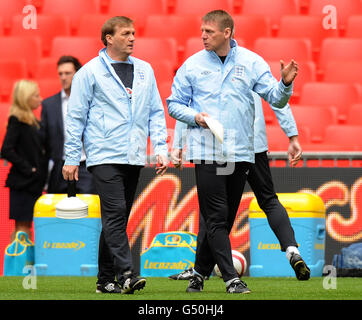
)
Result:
{"points": [[218, 82], [115, 106], [54, 111]]}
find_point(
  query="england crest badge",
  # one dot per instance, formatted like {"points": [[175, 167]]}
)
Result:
{"points": [[239, 71]]}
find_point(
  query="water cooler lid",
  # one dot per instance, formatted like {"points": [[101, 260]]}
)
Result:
{"points": [[297, 204], [71, 208]]}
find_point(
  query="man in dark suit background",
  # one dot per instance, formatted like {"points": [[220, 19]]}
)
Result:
{"points": [[54, 110]]}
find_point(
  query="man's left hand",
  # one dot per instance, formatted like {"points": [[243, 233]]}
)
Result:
{"points": [[294, 151], [289, 72], [162, 164], [70, 172]]}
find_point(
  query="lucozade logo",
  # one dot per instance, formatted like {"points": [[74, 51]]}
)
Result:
{"points": [[166, 265], [76, 245]]}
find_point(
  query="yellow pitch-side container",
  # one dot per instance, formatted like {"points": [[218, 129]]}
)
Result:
{"points": [[66, 247], [307, 216]]}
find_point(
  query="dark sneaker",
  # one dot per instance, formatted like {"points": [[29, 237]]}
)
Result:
{"points": [[184, 275], [301, 269], [131, 284], [196, 284], [108, 287], [237, 286]]}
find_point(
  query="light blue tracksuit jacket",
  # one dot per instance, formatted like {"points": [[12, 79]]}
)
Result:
{"points": [[284, 116], [225, 92], [114, 127]]}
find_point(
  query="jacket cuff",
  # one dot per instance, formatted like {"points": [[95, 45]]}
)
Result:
{"points": [[70, 162], [286, 89]]}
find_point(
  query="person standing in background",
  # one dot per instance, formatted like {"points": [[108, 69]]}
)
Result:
{"points": [[54, 112], [24, 149], [261, 182]]}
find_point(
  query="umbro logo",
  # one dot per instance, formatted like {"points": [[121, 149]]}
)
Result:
{"points": [[205, 73]]}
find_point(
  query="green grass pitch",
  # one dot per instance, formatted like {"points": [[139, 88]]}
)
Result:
{"points": [[83, 288]]}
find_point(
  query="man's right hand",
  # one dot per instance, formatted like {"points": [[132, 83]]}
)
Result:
{"points": [[70, 172], [199, 119]]}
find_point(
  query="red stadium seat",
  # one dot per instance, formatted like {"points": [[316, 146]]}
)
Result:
{"points": [[346, 136], [346, 72], [48, 27], [46, 69], [269, 115], [71, 8], [306, 27], [240, 41], [278, 141], [179, 27], [339, 95], [275, 49], [344, 9], [354, 116], [156, 49], [200, 8], [359, 89], [306, 73], [341, 50], [163, 70], [38, 4], [193, 45], [138, 10], [11, 71], [48, 87], [83, 48], [2, 27], [272, 9], [10, 8], [165, 91], [4, 108], [322, 117], [322, 147], [90, 25], [27, 48], [4, 116], [249, 28], [354, 27]]}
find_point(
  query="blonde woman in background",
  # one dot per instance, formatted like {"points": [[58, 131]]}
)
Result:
{"points": [[23, 148]]}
